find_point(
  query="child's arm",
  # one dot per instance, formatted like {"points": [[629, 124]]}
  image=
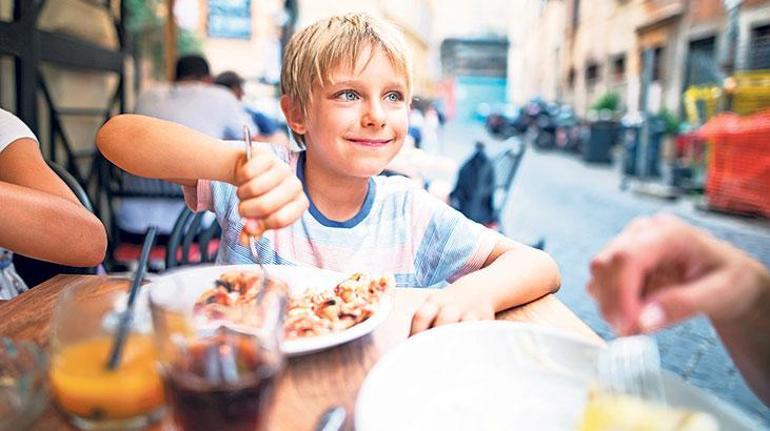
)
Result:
{"points": [[155, 148], [41, 218], [267, 188], [513, 274]]}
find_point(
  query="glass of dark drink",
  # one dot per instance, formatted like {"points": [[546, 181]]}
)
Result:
{"points": [[218, 373]]}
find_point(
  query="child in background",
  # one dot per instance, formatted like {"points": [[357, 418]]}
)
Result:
{"points": [[346, 87], [40, 218]]}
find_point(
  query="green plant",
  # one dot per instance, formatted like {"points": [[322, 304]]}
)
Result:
{"points": [[609, 101], [670, 120], [145, 28]]}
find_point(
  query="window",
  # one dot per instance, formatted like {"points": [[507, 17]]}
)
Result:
{"points": [[619, 67], [592, 73], [657, 64], [229, 19], [759, 48], [702, 66], [656, 72]]}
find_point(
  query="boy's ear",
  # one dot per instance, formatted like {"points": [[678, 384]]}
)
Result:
{"points": [[294, 115]]}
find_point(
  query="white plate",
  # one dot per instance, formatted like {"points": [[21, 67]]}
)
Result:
{"points": [[498, 376], [198, 279]]}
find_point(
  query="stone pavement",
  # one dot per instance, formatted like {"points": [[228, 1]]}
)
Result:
{"points": [[578, 208]]}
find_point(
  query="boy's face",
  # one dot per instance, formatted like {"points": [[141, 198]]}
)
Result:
{"points": [[355, 126]]}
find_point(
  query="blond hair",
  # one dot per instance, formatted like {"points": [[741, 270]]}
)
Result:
{"points": [[314, 52]]}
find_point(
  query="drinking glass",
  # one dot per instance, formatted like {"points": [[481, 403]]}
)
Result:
{"points": [[93, 397], [218, 373]]}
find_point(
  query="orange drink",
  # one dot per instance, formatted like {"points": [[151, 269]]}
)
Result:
{"points": [[84, 387], [87, 392]]}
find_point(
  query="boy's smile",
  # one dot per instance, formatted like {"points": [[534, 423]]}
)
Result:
{"points": [[356, 124]]}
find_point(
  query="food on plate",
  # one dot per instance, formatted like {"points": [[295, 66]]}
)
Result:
{"points": [[310, 313], [609, 412]]}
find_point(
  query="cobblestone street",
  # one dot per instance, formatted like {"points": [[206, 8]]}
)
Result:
{"points": [[578, 208]]}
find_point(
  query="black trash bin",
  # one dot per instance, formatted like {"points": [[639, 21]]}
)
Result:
{"points": [[631, 134], [657, 131], [632, 139], [597, 148]]}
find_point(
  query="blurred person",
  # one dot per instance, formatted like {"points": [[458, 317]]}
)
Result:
{"points": [[268, 129], [416, 122], [431, 125], [41, 218], [351, 117], [660, 271], [193, 101]]}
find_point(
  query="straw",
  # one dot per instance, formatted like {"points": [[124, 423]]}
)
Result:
{"points": [[127, 316]]}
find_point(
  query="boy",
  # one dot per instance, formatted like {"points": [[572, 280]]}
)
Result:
{"points": [[346, 83]]}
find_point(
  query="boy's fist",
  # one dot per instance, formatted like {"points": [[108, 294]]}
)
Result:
{"points": [[271, 195]]}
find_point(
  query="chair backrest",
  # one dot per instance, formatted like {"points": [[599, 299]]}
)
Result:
{"points": [[116, 184], [73, 184], [506, 166], [194, 239], [34, 271]]}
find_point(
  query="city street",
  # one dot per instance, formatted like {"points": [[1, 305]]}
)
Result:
{"points": [[578, 208]]}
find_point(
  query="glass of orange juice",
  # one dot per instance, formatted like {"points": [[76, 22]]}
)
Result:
{"points": [[93, 397]]}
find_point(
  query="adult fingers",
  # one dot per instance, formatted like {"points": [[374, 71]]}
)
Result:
{"points": [[679, 302], [617, 280], [424, 317]]}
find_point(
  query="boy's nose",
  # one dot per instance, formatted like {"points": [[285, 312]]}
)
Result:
{"points": [[374, 115]]}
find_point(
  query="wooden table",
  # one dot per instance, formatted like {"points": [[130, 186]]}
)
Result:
{"points": [[311, 383]]}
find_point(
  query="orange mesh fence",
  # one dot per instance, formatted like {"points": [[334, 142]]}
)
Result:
{"points": [[739, 163]]}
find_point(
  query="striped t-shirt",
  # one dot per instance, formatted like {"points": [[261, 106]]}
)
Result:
{"points": [[400, 228]]}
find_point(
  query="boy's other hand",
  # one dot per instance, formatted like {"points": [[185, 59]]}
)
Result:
{"points": [[659, 271], [271, 195], [452, 304]]}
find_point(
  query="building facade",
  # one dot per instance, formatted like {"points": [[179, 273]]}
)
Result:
{"points": [[603, 43]]}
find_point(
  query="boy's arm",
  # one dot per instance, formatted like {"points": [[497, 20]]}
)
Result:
{"points": [[155, 148], [513, 274]]}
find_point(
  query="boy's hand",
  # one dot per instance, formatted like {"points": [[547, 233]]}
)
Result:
{"points": [[455, 303], [271, 195]]}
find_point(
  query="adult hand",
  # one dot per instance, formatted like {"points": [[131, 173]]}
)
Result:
{"points": [[659, 271]]}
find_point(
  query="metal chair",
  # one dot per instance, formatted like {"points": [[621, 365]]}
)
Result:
{"points": [[34, 271], [193, 240], [118, 184], [506, 166]]}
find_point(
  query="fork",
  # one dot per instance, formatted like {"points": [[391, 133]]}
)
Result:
{"points": [[254, 238], [631, 366]]}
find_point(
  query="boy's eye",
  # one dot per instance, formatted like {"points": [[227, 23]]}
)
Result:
{"points": [[347, 95], [394, 96]]}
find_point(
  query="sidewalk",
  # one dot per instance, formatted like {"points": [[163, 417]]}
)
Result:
{"points": [[578, 208]]}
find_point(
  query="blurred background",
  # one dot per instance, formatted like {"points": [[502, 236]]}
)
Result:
{"points": [[615, 109]]}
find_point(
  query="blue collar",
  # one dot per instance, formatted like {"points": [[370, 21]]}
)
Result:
{"points": [[320, 218]]}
